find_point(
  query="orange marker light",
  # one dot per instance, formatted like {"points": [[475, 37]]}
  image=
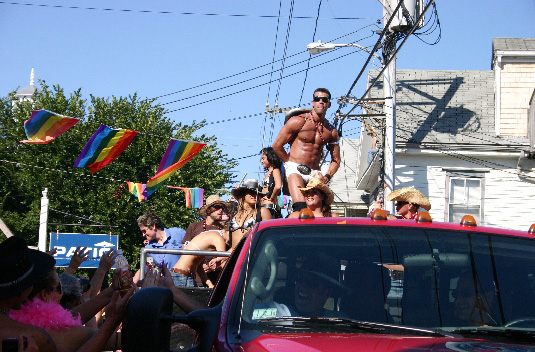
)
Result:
{"points": [[468, 220], [306, 214], [531, 230], [379, 214], [424, 217]]}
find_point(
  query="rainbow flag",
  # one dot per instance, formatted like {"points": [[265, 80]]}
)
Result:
{"points": [[44, 126], [178, 153], [194, 196], [103, 147], [138, 190]]}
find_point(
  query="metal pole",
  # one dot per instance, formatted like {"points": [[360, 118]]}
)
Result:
{"points": [[43, 220], [389, 88]]}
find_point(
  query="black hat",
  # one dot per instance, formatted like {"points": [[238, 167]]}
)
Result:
{"points": [[248, 186], [21, 266]]}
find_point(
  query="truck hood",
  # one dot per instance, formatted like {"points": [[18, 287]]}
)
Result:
{"points": [[368, 343]]}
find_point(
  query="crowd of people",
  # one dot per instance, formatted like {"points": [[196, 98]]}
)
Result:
{"points": [[49, 312]]}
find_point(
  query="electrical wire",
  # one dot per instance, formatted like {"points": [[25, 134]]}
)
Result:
{"points": [[171, 12]]}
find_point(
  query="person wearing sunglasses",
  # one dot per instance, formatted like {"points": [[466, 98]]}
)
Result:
{"points": [[308, 132], [408, 203], [215, 213]]}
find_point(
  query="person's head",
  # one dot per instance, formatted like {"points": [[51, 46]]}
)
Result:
{"points": [[315, 283], [318, 194], [71, 291], [214, 208], [21, 269], [248, 193], [408, 201], [321, 101], [149, 224], [473, 305], [48, 288], [268, 158]]}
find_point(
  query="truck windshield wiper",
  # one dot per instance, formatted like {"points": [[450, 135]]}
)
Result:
{"points": [[498, 332], [378, 328]]}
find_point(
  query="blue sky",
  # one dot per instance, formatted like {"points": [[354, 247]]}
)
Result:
{"points": [[156, 49]]}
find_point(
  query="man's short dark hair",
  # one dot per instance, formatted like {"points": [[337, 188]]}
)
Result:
{"points": [[149, 219], [323, 90]]}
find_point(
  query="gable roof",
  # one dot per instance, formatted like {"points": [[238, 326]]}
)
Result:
{"points": [[442, 108]]}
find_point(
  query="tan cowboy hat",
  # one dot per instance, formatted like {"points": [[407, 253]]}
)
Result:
{"points": [[411, 195], [315, 183], [248, 186], [212, 200]]}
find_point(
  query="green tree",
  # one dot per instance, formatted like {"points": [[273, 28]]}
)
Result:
{"points": [[26, 169]]}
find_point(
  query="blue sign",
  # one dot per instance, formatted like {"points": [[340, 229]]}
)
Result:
{"points": [[97, 245]]}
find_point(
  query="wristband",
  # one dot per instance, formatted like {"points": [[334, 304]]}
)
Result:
{"points": [[328, 177]]}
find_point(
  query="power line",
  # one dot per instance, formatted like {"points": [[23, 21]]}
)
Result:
{"points": [[172, 12]]}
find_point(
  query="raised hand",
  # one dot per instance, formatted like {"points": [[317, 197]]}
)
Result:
{"points": [[80, 255]]}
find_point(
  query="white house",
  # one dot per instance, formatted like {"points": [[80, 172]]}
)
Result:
{"points": [[462, 138]]}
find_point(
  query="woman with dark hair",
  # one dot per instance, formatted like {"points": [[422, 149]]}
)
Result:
{"points": [[272, 183], [318, 198]]}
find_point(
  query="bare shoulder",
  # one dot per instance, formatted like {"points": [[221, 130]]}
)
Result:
{"points": [[41, 337], [295, 123], [295, 214]]}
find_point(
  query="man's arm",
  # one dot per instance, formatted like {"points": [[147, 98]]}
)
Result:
{"points": [[286, 135], [334, 149]]}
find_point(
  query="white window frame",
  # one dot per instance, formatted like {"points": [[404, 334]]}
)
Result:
{"points": [[466, 175]]}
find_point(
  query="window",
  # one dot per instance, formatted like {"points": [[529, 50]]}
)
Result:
{"points": [[464, 197]]}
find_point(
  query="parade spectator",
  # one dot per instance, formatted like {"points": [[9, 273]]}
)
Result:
{"points": [[27, 268], [186, 266], [307, 133], [80, 255], [248, 208], [272, 183], [474, 297], [160, 237], [408, 203], [71, 291], [318, 198]]}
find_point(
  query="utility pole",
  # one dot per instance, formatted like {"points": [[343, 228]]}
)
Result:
{"points": [[43, 221], [389, 89]]}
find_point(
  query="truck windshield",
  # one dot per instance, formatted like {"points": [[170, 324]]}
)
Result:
{"points": [[425, 278]]}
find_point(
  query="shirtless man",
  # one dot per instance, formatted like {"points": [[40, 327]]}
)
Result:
{"points": [[307, 134], [187, 265]]}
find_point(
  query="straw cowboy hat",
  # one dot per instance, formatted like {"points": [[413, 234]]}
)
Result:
{"points": [[21, 266], [212, 200], [315, 183], [248, 186], [410, 195]]}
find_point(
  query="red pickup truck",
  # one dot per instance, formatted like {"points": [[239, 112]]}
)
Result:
{"points": [[359, 284]]}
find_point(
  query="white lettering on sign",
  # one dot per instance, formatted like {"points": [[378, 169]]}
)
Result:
{"points": [[95, 252]]}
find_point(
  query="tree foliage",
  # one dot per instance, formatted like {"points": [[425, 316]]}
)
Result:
{"points": [[27, 169]]}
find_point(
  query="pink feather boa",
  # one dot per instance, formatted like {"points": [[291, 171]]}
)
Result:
{"points": [[47, 315]]}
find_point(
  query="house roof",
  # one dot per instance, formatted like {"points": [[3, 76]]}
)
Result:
{"points": [[440, 108], [513, 44], [27, 91]]}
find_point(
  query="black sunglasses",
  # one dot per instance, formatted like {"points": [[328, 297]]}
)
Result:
{"points": [[218, 206], [323, 99], [400, 204]]}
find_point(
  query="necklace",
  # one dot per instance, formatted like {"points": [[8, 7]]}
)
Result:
{"points": [[317, 124], [215, 224], [4, 312]]}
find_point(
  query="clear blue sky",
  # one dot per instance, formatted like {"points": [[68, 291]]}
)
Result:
{"points": [[156, 49]]}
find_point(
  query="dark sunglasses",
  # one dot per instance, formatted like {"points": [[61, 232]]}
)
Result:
{"points": [[323, 99], [400, 204], [218, 206]]}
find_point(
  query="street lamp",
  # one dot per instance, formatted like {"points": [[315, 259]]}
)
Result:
{"points": [[318, 47]]}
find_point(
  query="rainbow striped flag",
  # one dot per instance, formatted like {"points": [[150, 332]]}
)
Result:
{"points": [[44, 126], [194, 196], [178, 153], [103, 147], [138, 190]]}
